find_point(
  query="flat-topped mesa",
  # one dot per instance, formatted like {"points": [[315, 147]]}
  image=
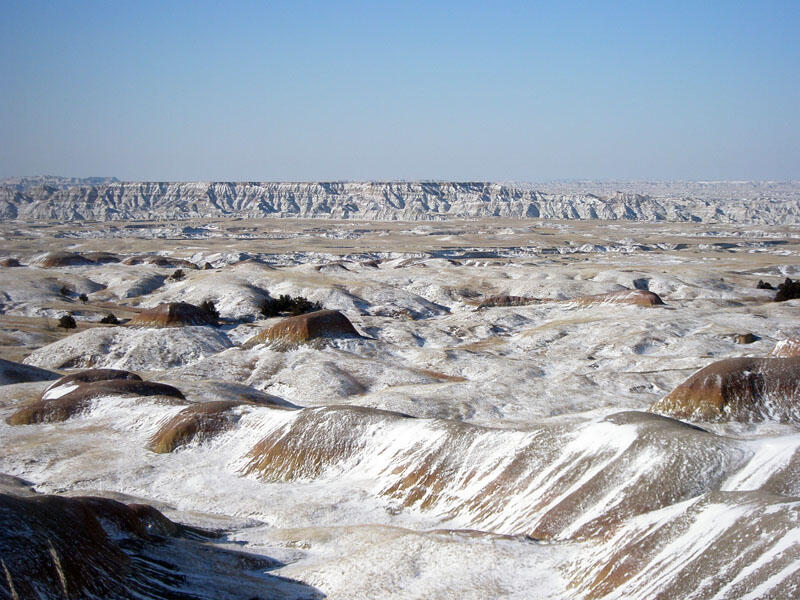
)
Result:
{"points": [[305, 328], [738, 389], [72, 394], [635, 297], [62, 259], [376, 200], [173, 314]]}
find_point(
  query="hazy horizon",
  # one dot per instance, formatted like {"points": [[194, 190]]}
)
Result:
{"points": [[348, 91]]}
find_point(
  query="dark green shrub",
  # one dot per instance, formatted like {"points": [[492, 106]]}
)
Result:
{"points": [[67, 322], [177, 275], [274, 307], [83, 298], [110, 319], [65, 291], [788, 290]]}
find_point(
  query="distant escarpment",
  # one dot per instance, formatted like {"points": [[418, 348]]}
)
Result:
{"points": [[112, 200]]}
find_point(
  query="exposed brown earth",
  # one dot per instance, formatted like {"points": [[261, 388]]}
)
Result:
{"points": [[50, 408], [159, 261], [63, 259], [304, 328], [505, 300], [635, 297], [173, 314], [197, 422], [741, 389]]}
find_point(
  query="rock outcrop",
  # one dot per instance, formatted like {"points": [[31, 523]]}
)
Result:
{"points": [[198, 422], [72, 394], [173, 314], [381, 201], [505, 300], [635, 297], [159, 261], [740, 389], [305, 328], [62, 259]]}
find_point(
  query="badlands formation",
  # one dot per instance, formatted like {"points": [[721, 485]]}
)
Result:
{"points": [[485, 407]]}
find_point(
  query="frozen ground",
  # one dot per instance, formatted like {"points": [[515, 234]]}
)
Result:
{"points": [[452, 451]]}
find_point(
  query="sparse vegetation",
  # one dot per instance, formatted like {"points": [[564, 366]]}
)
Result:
{"points": [[83, 298], [210, 308], [110, 319], [178, 275], [274, 307], [788, 290], [764, 285], [67, 322], [65, 291]]}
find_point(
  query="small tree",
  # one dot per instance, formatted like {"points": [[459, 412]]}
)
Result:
{"points": [[110, 319], [83, 298], [67, 322]]}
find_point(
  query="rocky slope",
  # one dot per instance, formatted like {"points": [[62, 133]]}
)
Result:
{"points": [[111, 200]]}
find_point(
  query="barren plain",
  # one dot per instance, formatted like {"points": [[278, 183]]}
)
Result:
{"points": [[504, 423]]}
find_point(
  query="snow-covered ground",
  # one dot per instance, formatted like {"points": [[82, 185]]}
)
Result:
{"points": [[451, 451]]}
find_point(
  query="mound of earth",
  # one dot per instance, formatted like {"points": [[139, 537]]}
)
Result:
{"points": [[505, 300], [9, 262], [787, 348], [197, 422], [55, 547], [62, 259], [137, 348], [635, 297], [740, 389], [13, 372], [72, 394], [173, 314], [102, 258], [159, 261], [304, 328]]}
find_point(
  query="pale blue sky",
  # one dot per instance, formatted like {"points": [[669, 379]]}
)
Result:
{"points": [[402, 90]]}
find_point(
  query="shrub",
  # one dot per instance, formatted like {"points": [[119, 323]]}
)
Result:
{"points": [[788, 290], [65, 291], [110, 319], [763, 285], [210, 308], [177, 275], [83, 298], [67, 322], [274, 307]]}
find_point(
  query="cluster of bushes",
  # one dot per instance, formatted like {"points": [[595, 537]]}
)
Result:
{"points": [[274, 307], [788, 290]]}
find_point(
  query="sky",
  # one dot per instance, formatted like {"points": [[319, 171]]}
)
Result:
{"points": [[301, 91]]}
